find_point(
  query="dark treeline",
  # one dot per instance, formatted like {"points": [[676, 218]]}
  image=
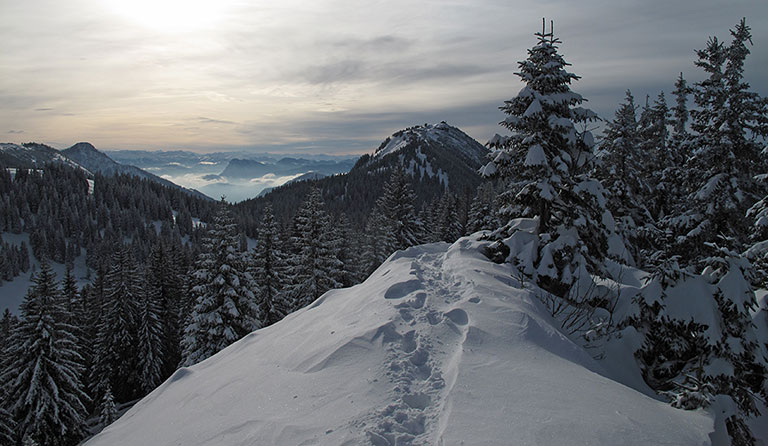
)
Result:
{"points": [[63, 220]]}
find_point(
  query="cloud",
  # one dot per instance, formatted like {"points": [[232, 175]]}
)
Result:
{"points": [[204, 120], [400, 73], [15, 132], [374, 45], [336, 72], [334, 76], [271, 180]]}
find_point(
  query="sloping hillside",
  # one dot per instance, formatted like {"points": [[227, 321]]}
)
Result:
{"points": [[439, 346], [32, 156], [86, 155], [437, 157]]}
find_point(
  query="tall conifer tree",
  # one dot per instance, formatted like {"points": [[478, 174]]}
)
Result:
{"points": [[115, 358], [225, 303], [268, 266], [545, 162], [315, 267], [43, 377]]}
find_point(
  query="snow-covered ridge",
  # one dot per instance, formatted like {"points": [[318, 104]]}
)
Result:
{"points": [[34, 156], [441, 133], [438, 346], [435, 151]]}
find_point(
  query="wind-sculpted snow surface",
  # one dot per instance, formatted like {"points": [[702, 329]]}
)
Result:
{"points": [[439, 346]]}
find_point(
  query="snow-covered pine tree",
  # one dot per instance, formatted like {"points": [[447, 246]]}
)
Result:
{"points": [[43, 376], [445, 224], [622, 173], [69, 293], [669, 345], [164, 288], [315, 267], [7, 324], [482, 212], [757, 252], [546, 162], [732, 368], [225, 305], [149, 349], [268, 265], [396, 206], [377, 245], [107, 409], [345, 246], [114, 352], [723, 362], [659, 160], [671, 178], [680, 110], [7, 427], [727, 123]]}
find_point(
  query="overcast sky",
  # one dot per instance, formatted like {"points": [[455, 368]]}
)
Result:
{"points": [[333, 76]]}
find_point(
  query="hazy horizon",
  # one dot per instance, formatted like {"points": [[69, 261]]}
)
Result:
{"points": [[329, 77]]}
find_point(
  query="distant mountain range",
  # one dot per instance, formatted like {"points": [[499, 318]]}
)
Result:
{"points": [[82, 155], [247, 169], [437, 156], [236, 175], [233, 164]]}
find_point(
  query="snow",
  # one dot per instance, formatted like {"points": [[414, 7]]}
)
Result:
{"points": [[712, 184], [535, 156], [488, 169], [12, 293], [392, 146], [683, 302], [438, 346], [533, 108], [440, 134]]}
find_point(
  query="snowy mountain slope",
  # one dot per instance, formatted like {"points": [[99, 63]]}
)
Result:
{"points": [[32, 155], [12, 293], [438, 346], [439, 158], [431, 150], [309, 176], [96, 161], [441, 133]]}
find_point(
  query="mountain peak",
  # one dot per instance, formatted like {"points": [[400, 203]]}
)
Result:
{"points": [[441, 134], [32, 155], [85, 149], [82, 146], [431, 151]]}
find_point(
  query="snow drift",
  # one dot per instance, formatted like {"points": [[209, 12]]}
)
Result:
{"points": [[438, 346]]}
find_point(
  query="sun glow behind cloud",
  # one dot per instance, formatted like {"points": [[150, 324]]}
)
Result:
{"points": [[173, 16]]}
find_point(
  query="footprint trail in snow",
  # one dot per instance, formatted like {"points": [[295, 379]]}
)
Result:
{"points": [[416, 355]]}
